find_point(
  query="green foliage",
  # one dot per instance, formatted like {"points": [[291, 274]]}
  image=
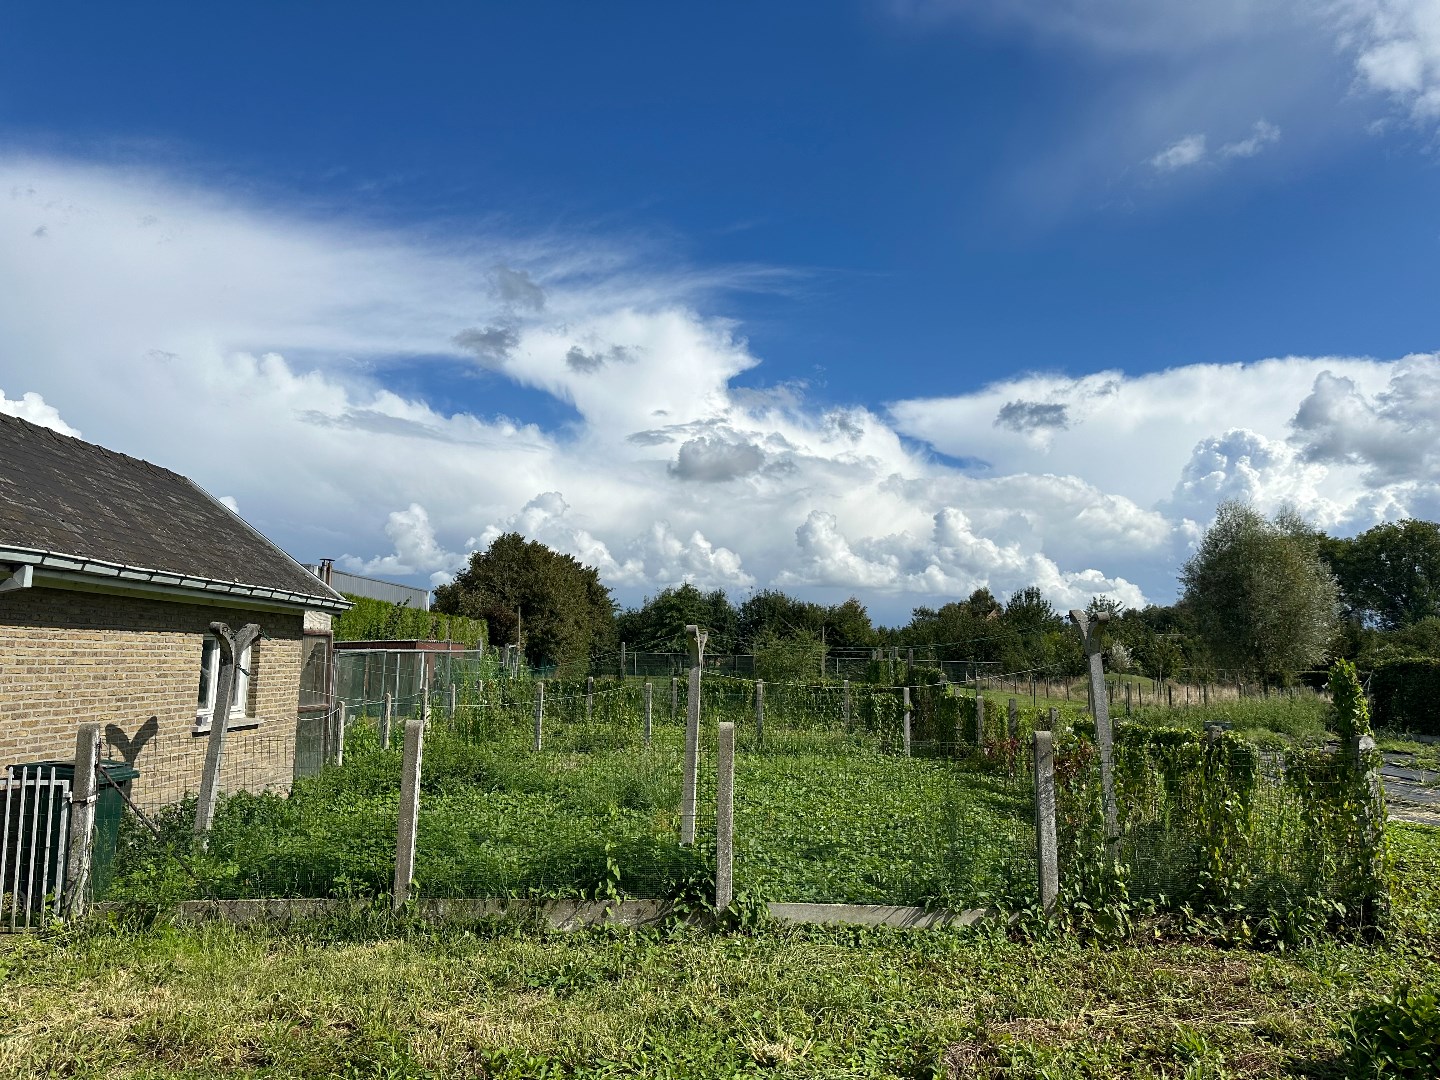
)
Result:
{"points": [[798, 658], [517, 586], [1407, 696], [1395, 1038], [658, 625], [380, 620], [1390, 573], [1262, 599], [1347, 696]]}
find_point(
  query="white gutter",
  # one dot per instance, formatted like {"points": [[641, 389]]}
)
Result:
{"points": [[22, 577], [73, 570]]}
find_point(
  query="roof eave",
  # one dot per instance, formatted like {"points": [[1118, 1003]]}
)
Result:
{"points": [[75, 571]]}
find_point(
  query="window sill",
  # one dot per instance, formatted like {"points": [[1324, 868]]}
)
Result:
{"points": [[237, 723]]}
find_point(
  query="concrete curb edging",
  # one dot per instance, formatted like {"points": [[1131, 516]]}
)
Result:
{"points": [[565, 914]]}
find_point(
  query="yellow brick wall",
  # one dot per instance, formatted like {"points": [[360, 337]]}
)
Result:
{"points": [[133, 665]]}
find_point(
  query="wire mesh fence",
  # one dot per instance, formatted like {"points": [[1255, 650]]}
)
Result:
{"points": [[844, 792]]}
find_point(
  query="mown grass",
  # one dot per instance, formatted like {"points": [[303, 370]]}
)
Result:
{"points": [[365, 995]]}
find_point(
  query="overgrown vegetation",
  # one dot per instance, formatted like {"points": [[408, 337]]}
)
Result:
{"points": [[380, 620]]}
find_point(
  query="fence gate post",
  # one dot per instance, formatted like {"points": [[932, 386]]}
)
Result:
{"points": [[1012, 724], [725, 817], [759, 712], [82, 821], [409, 809], [692, 734], [385, 721], [648, 713], [905, 729], [1047, 848], [232, 647], [539, 712], [1090, 633]]}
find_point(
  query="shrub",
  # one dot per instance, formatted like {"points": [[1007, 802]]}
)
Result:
{"points": [[1352, 714], [1397, 1036], [1407, 695]]}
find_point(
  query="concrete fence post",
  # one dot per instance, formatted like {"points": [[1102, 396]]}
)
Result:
{"points": [[1047, 847], [674, 698], [233, 645], [759, 712], [1012, 719], [622, 660], [725, 817], [905, 720], [979, 718], [696, 642], [539, 714], [1104, 737], [1366, 763], [648, 711], [340, 718], [1053, 720], [589, 696], [386, 713], [83, 795], [452, 703], [409, 821], [845, 701]]}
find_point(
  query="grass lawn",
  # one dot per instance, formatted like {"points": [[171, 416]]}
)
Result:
{"points": [[367, 997]]}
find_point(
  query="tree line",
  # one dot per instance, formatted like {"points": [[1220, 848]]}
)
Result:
{"points": [[1265, 598]]}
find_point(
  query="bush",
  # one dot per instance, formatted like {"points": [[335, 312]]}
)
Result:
{"points": [[1397, 1036], [1407, 696]]}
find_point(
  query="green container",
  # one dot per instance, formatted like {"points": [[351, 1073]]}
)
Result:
{"points": [[109, 809]]}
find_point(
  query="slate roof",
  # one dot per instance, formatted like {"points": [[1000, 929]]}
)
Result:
{"points": [[69, 497]]}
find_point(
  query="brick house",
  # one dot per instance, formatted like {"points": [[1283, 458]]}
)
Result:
{"points": [[111, 571]]}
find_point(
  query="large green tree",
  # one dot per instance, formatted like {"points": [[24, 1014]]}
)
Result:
{"points": [[658, 625], [1262, 599], [1390, 574], [557, 605]]}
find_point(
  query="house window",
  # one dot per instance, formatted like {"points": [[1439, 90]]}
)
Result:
{"points": [[210, 683]]}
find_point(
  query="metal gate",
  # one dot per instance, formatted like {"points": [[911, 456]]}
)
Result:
{"points": [[34, 829]]}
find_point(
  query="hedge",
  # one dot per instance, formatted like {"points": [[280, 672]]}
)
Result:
{"points": [[1407, 696]]}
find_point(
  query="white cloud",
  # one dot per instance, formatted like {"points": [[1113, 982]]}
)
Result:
{"points": [[253, 351], [31, 406], [1263, 134], [1396, 44], [229, 502], [1184, 152], [416, 550]]}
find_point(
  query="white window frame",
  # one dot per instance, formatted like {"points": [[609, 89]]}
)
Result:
{"points": [[210, 679]]}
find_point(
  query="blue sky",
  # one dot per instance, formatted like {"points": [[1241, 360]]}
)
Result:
{"points": [[885, 298]]}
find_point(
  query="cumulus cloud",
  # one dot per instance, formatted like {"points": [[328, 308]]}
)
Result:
{"points": [[31, 406], [1393, 435], [1026, 416], [253, 351], [714, 459], [416, 549], [1397, 51]]}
